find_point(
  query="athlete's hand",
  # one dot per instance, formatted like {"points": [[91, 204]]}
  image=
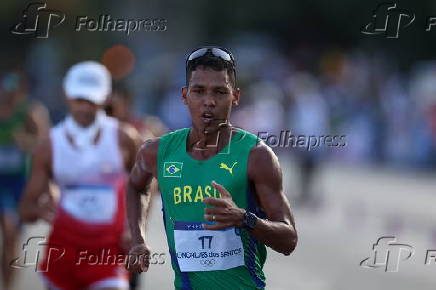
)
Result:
{"points": [[47, 207], [138, 259], [224, 210]]}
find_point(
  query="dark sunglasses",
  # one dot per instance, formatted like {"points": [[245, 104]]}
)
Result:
{"points": [[215, 51]]}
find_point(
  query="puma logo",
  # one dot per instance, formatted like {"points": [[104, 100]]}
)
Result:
{"points": [[224, 166]]}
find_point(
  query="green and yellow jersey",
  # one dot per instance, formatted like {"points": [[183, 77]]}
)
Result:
{"points": [[205, 259]]}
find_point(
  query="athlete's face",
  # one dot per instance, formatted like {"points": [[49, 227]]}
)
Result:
{"points": [[210, 97], [83, 111]]}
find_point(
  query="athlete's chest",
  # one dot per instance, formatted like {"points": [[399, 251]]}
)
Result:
{"points": [[185, 181], [93, 163]]}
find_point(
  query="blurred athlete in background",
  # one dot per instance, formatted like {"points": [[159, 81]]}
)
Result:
{"points": [[87, 156], [119, 105], [22, 125]]}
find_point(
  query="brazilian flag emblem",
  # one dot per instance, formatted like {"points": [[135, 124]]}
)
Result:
{"points": [[173, 169]]}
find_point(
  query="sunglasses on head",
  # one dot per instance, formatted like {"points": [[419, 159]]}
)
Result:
{"points": [[215, 51]]}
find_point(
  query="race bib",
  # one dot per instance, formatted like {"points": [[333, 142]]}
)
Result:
{"points": [[198, 249], [89, 203]]}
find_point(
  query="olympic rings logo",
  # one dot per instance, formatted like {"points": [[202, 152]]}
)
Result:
{"points": [[207, 263]]}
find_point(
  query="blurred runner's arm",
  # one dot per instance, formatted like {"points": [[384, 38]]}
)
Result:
{"points": [[30, 208], [130, 141], [139, 182], [39, 115], [37, 128]]}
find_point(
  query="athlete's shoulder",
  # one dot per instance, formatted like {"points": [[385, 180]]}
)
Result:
{"points": [[248, 138], [262, 154], [36, 107], [175, 133], [127, 133], [261, 150], [173, 139], [149, 149], [245, 132]]}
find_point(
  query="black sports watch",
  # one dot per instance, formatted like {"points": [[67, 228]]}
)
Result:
{"points": [[249, 221]]}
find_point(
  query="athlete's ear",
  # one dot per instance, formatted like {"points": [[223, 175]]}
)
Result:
{"points": [[236, 93], [184, 94]]}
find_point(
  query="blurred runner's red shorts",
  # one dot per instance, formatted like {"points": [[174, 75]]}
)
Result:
{"points": [[68, 267]]}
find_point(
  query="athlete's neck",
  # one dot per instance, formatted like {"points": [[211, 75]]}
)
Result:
{"points": [[205, 145], [84, 136]]}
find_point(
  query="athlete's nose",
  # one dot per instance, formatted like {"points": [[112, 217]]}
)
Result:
{"points": [[209, 100]]}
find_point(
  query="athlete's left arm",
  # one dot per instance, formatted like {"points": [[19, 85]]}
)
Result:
{"points": [[130, 141], [278, 230]]}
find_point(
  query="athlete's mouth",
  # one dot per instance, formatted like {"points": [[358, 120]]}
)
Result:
{"points": [[207, 117]]}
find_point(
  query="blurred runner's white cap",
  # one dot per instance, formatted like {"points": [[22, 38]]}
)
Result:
{"points": [[88, 80]]}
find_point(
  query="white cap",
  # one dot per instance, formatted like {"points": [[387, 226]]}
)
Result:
{"points": [[88, 80]]}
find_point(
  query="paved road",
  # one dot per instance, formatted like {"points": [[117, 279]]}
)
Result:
{"points": [[358, 207]]}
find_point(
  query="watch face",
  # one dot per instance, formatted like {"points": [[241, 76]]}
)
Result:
{"points": [[250, 220]]}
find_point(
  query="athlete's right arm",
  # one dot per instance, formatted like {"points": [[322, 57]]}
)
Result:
{"points": [[140, 178], [31, 208]]}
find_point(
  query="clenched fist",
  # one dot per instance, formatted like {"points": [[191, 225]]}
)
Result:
{"points": [[138, 259]]}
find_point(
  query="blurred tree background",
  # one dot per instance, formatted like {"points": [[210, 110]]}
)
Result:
{"points": [[357, 74]]}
